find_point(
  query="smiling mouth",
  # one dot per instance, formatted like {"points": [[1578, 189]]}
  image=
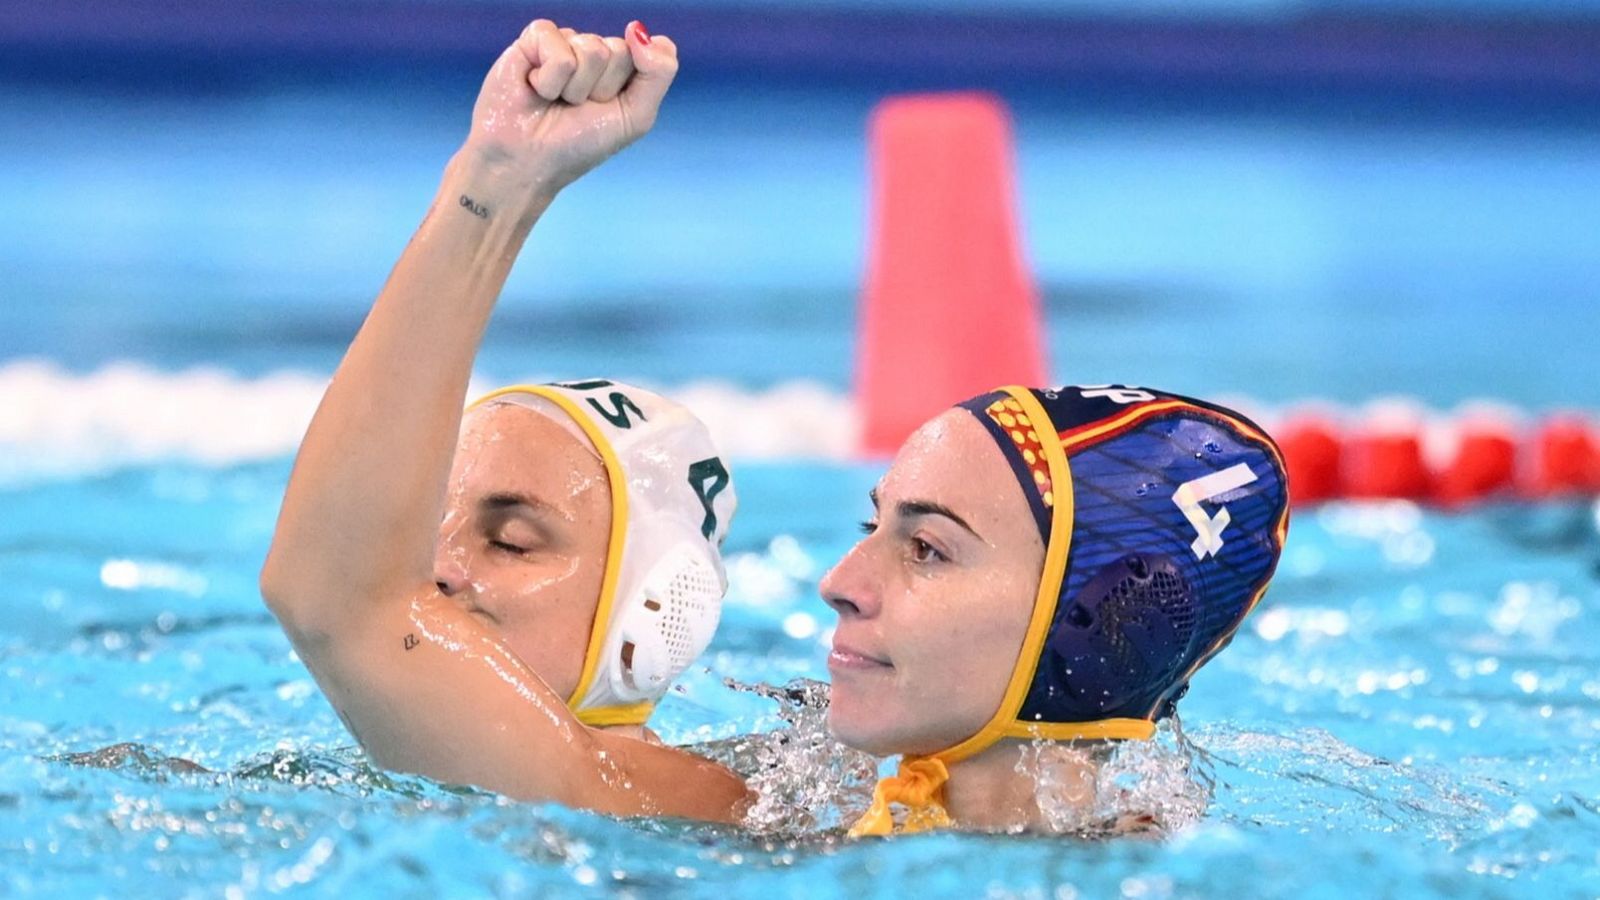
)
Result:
{"points": [[849, 659]]}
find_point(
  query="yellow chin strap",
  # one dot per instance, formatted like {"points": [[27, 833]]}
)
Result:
{"points": [[919, 784], [602, 716], [919, 787], [599, 716]]}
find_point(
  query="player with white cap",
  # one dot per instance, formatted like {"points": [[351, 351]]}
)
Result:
{"points": [[671, 501], [500, 604]]}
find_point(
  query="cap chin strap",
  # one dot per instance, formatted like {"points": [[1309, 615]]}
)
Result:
{"points": [[919, 783], [918, 786], [620, 714]]}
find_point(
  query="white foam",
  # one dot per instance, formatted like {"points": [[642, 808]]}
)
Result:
{"points": [[56, 423]]}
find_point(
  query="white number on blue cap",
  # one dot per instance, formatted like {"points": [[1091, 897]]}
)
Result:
{"points": [[1191, 494]]}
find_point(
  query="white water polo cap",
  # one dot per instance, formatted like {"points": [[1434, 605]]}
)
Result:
{"points": [[671, 501]]}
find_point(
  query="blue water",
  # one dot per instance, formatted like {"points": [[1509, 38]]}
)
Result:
{"points": [[1415, 710]]}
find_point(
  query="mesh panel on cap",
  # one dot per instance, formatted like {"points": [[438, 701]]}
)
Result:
{"points": [[692, 591], [1132, 625], [677, 622]]}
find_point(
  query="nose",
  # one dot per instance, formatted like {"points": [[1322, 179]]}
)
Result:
{"points": [[849, 586], [448, 571]]}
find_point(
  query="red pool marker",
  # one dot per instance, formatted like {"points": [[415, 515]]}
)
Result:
{"points": [[1484, 466], [948, 308], [1384, 459], [1312, 456], [1566, 458]]}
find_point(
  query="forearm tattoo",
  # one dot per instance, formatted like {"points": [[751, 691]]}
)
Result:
{"points": [[474, 207]]}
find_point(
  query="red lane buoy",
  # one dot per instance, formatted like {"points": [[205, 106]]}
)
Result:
{"points": [[1312, 455], [1484, 464], [1384, 458], [1565, 458]]}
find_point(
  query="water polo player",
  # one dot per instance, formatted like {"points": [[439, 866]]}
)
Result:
{"points": [[576, 568], [1043, 565]]}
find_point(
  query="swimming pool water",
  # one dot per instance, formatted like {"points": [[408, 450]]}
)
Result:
{"points": [[1414, 710]]}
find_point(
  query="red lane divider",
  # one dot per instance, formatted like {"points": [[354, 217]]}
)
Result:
{"points": [[1488, 460], [1313, 452], [1566, 457], [1386, 463], [1485, 465]]}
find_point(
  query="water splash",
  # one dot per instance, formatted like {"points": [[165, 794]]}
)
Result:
{"points": [[1098, 789], [1309, 779], [136, 758], [805, 781], [343, 770]]}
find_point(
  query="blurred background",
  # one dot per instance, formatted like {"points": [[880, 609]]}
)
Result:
{"points": [[1275, 200], [1281, 199]]}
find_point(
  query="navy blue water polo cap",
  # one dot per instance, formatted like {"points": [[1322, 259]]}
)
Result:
{"points": [[1162, 519]]}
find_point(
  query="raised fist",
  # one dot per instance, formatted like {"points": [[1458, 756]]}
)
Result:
{"points": [[557, 103]]}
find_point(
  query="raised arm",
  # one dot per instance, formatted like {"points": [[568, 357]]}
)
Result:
{"points": [[422, 685], [362, 509]]}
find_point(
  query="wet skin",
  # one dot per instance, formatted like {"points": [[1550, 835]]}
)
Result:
{"points": [[522, 546], [934, 602]]}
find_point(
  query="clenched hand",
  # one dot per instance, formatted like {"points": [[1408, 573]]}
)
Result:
{"points": [[557, 103]]}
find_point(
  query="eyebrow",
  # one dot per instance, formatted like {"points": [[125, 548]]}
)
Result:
{"points": [[913, 508], [509, 499]]}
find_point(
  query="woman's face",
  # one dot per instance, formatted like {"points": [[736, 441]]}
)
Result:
{"points": [[934, 602], [523, 543]]}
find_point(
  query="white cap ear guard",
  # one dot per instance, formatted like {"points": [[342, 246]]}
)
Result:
{"points": [[656, 638], [671, 501]]}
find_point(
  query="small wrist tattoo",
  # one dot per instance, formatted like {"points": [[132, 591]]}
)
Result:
{"points": [[411, 641], [474, 207]]}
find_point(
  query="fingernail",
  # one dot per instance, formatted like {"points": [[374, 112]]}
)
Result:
{"points": [[640, 33]]}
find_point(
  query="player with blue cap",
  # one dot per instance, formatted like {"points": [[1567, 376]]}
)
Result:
{"points": [[1162, 518]]}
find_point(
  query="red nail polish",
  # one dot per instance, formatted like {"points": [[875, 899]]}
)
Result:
{"points": [[640, 33]]}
